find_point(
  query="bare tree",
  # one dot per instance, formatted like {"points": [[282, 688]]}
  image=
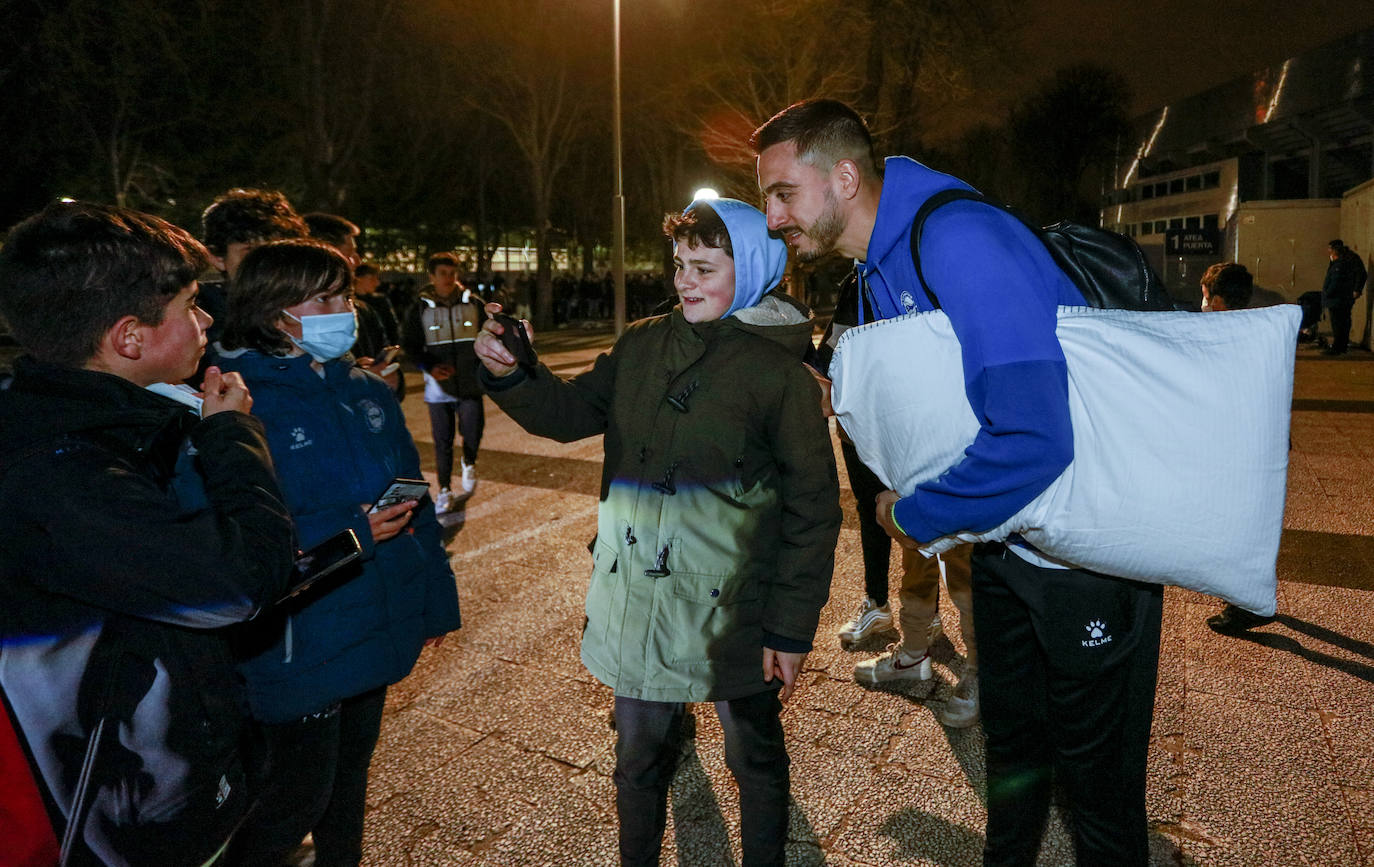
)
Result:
{"points": [[1071, 124], [337, 47], [537, 88], [119, 80]]}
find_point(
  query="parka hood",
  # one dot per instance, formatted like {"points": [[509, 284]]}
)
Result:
{"points": [[760, 259]]}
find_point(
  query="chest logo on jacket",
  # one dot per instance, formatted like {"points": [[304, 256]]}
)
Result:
{"points": [[373, 413], [298, 439]]}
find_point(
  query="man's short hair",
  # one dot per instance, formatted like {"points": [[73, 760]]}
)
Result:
{"points": [[699, 226], [248, 216], [71, 271], [441, 259], [824, 131], [367, 269], [1230, 282], [330, 228], [273, 277], [1336, 244]]}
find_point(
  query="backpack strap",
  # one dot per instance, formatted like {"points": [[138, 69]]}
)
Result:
{"points": [[944, 197]]}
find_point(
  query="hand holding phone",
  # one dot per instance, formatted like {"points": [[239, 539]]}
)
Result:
{"points": [[516, 339], [386, 356], [399, 491]]}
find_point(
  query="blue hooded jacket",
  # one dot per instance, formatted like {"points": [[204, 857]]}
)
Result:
{"points": [[1000, 289], [336, 442]]}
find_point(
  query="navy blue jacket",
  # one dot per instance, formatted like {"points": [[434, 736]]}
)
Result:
{"points": [[337, 442], [1000, 288]]}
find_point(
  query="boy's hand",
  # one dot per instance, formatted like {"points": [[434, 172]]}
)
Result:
{"points": [[494, 355], [785, 666], [886, 500], [224, 392], [388, 522]]}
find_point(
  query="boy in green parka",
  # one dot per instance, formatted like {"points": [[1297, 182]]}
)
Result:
{"points": [[718, 520]]}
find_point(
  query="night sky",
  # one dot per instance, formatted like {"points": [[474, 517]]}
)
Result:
{"points": [[1167, 49]]}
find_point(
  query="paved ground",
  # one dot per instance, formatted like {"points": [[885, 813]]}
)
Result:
{"points": [[497, 749]]}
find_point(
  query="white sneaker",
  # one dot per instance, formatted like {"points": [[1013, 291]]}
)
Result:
{"points": [[469, 477], [444, 501], [871, 618], [896, 664], [961, 710]]}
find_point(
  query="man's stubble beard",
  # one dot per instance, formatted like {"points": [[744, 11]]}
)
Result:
{"points": [[825, 232]]}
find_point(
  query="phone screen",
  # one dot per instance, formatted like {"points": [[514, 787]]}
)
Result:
{"points": [[328, 556], [399, 491]]}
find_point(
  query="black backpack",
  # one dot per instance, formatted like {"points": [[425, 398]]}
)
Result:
{"points": [[1108, 268]]}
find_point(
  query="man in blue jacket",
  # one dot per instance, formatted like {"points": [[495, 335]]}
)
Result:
{"points": [[1068, 657]]}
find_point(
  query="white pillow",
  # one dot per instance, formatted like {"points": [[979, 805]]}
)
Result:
{"points": [[1180, 430]]}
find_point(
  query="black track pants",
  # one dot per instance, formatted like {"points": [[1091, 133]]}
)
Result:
{"points": [[1068, 660]]}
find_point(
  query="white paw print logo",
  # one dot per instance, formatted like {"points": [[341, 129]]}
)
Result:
{"points": [[298, 434], [1096, 628]]}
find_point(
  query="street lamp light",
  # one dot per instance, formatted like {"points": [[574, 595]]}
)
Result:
{"points": [[705, 194], [618, 207]]}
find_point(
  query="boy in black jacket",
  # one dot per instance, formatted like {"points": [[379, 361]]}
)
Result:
{"points": [[135, 528]]}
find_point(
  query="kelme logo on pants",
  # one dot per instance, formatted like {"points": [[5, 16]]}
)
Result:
{"points": [[1097, 634]]}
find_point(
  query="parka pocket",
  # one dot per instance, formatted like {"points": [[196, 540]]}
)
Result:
{"points": [[605, 601], [711, 619]]}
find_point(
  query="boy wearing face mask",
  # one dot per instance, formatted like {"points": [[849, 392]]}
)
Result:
{"points": [[317, 671]]}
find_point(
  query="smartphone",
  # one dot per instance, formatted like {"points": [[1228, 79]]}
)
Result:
{"points": [[388, 370], [399, 491], [386, 356], [516, 340], [324, 559]]}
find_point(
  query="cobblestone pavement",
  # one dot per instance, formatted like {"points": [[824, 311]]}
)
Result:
{"points": [[497, 749]]}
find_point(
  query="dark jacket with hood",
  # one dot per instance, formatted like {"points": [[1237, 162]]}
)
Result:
{"points": [[134, 531], [338, 441], [719, 500]]}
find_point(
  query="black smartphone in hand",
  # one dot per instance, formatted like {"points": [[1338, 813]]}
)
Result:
{"points": [[324, 559], [516, 340]]}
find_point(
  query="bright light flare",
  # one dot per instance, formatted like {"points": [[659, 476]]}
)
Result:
{"points": [[705, 194]]}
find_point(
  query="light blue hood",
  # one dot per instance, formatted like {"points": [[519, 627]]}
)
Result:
{"points": [[760, 259]]}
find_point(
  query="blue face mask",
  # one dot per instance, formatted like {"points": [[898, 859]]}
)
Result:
{"points": [[326, 336]]}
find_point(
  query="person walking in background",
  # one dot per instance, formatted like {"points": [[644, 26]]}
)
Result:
{"points": [[439, 334], [1345, 279]]}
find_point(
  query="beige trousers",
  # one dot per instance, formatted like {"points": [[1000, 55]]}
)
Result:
{"points": [[920, 595]]}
